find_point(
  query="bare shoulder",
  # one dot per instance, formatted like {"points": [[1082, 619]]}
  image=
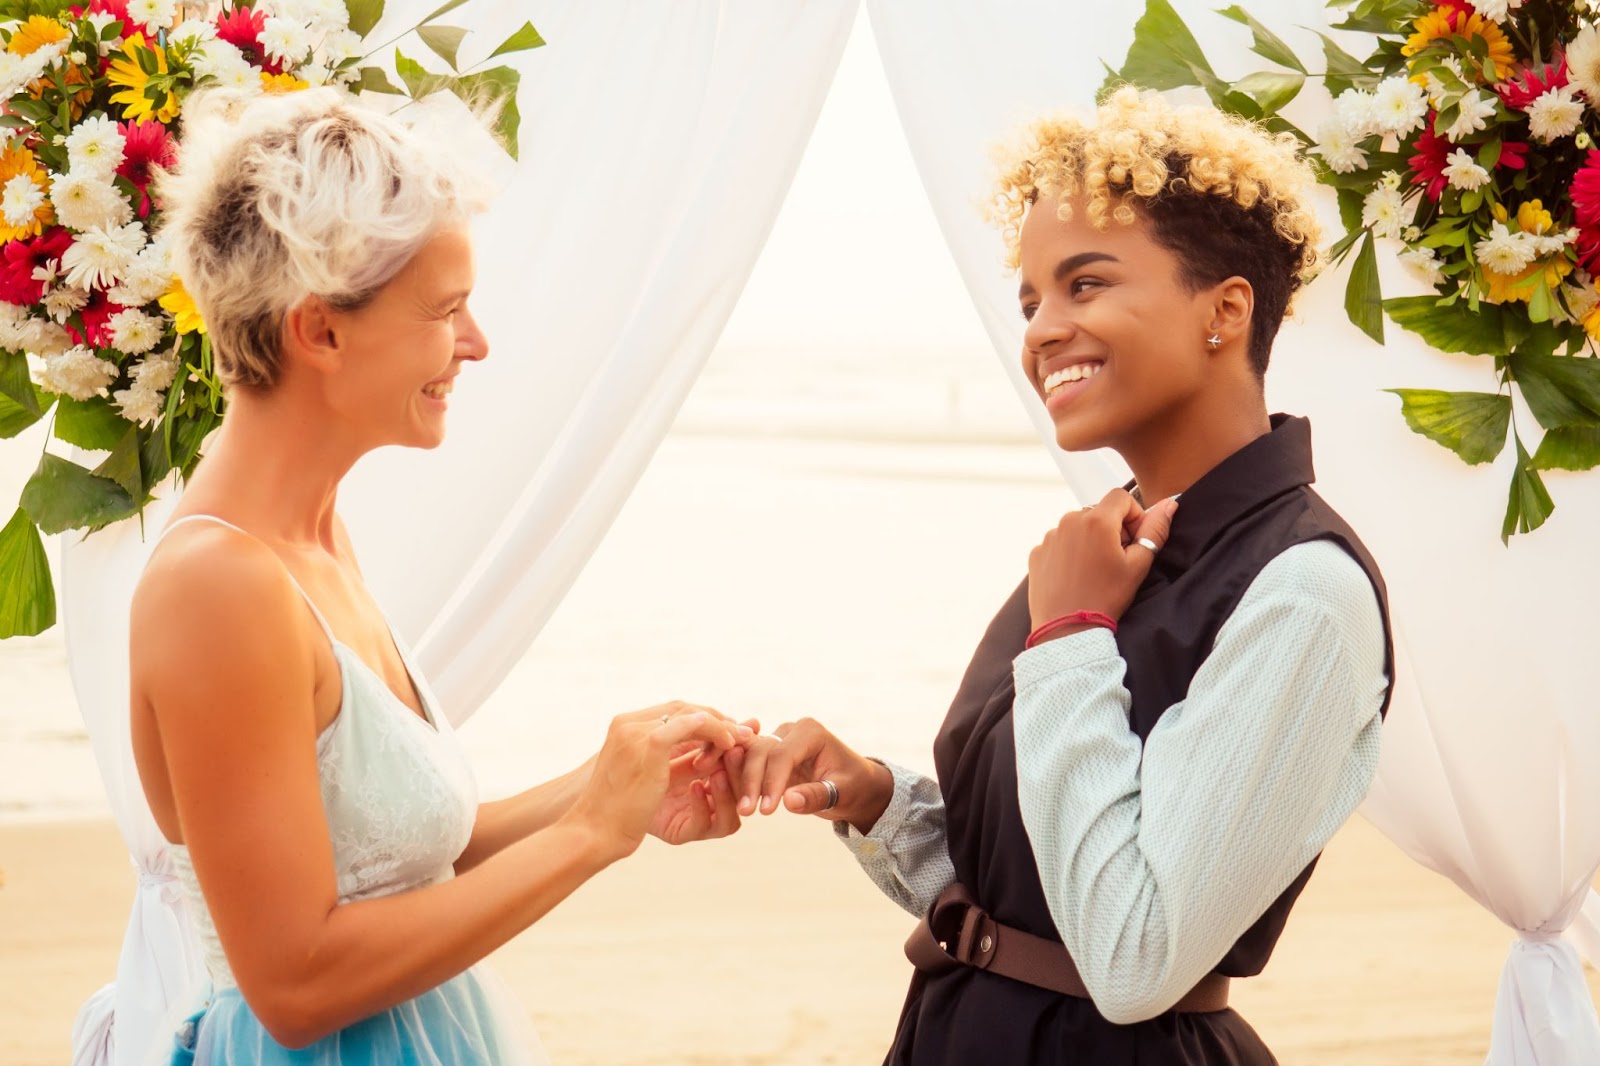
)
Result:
{"points": [[214, 598]]}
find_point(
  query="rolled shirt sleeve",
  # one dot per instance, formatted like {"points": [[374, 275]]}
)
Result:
{"points": [[906, 855]]}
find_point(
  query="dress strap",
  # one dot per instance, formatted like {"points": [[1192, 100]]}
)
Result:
{"points": [[321, 621]]}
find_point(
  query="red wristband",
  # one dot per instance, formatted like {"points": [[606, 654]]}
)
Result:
{"points": [[1076, 618]]}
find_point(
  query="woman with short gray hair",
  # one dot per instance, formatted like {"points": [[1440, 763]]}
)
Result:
{"points": [[344, 878]]}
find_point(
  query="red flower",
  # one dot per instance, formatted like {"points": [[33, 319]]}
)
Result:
{"points": [[1513, 155], [242, 28], [22, 258], [147, 145], [1586, 209], [1433, 155], [118, 8], [94, 316], [1456, 9], [1532, 82]]}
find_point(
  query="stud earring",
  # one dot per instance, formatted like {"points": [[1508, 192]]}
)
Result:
{"points": [[1215, 341]]}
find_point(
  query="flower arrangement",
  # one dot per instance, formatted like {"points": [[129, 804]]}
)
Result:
{"points": [[96, 332], [1464, 142]]}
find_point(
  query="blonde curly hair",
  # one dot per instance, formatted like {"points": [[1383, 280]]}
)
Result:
{"points": [[1222, 193]]}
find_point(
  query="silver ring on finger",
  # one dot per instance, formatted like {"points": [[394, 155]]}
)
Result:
{"points": [[833, 794], [666, 718], [1151, 546]]}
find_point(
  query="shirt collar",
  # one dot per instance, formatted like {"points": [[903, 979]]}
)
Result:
{"points": [[1269, 466]]}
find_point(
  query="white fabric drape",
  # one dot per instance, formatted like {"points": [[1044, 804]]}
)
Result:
{"points": [[1489, 750], [658, 140]]}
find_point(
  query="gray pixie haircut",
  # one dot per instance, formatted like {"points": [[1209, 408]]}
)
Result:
{"points": [[276, 198]]}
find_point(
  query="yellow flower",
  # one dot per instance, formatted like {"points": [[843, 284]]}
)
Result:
{"points": [[34, 34], [177, 302], [1501, 58], [21, 162], [1434, 25], [126, 71], [1591, 323], [1504, 288], [1533, 218], [278, 84], [1498, 210]]}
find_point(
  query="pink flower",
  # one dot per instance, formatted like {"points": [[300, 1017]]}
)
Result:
{"points": [[242, 28], [1586, 210], [94, 316], [22, 258], [1433, 155], [1531, 82], [146, 145]]}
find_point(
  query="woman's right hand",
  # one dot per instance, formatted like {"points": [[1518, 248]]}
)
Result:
{"points": [[634, 768], [790, 766]]}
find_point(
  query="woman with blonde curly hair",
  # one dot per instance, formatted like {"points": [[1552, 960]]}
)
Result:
{"points": [[344, 878], [1171, 716]]}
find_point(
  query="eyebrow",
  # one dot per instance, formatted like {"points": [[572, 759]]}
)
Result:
{"points": [[1067, 266]]}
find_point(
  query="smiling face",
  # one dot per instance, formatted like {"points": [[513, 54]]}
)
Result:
{"points": [[1116, 342], [401, 351]]}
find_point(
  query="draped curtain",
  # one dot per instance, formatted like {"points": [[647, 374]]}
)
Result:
{"points": [[1487, 772], [658, 140]]}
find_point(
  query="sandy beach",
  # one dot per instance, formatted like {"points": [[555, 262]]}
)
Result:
{"points": [[770, 948]]}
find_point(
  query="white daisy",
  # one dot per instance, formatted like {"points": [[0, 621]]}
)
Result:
{"points": [[78, 373], [48, 338], [314, 73], [20, 198], [158, 371], [285, 40], [1504, 252], [1464, 172], [96, 146], [1476, 109], [15, 327], [225, 63], [1583, 63], [153, 15], [1495, 10], [140, 404], [1553, 243], [1336, 145], [100, 256], [1358, 111], [196, 31], [1384, 211], [61, 303], [1555, 114], [134, 332], [85, 201], [341, 45], [1400, 106]]}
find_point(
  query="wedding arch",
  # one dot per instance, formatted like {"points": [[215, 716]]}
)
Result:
{"points": [[660, 138]]}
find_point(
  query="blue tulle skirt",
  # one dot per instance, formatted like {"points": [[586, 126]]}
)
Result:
{"points": [[459, 1023]]}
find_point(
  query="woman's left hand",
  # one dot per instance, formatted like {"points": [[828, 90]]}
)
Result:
{"points": [[699, 804], [1093, 561]]}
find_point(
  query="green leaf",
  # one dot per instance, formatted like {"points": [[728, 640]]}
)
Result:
{"points": [[419, 82], [1363, 299], [1530, 503], [1471, 424], [1267, 44], [154, 459], [444, 40], [1447, 329], [1345, 71], [62, 495], [524, 39], [14, 418], [1569, 448], [364, 14], [375, 80], [1164, 54], [122, 465], [16, 384], [445, 10], [1271, 90], [495, 88], [27, 595], [1560, 390], [93, 423]]}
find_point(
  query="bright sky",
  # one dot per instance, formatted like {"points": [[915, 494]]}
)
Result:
{"points": [[856, 255]]}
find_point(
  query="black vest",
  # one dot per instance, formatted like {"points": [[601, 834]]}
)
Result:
{"points": [[1232, 522]]}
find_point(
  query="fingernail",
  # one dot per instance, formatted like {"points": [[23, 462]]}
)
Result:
{"points": [[746, 731], [746, 805]]}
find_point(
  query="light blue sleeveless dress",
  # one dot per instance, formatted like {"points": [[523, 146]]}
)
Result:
{"points": [[400, 801]]}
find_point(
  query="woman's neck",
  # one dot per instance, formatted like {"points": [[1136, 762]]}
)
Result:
{"points": [[1172, 453], [275, 467]]}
